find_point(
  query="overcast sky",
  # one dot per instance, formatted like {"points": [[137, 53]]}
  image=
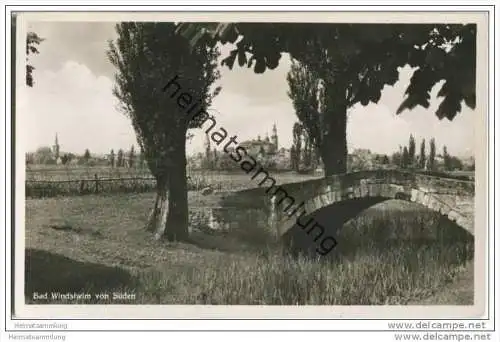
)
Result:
{"points": [[73, 97]]}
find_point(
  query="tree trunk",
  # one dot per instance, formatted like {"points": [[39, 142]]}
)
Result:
{"points": [[178, 213], [157, 221], [333, 148], [169, 216]]}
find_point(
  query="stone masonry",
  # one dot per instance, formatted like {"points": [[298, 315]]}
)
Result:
{"points": [[265, 206]]}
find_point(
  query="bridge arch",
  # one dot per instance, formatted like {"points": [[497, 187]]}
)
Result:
{"points": [[363, 195], [276, 208]]}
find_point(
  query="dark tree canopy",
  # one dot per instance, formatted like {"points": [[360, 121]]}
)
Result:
{"points": [[405, 158], [411, 149], [119, 158], [370, 52], [422, 155], [32, 41], [432, 153], [303, 91], [145, 63], [112, 158], [157, 75], [86, 155]]}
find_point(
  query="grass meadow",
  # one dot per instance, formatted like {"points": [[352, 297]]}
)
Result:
{"points": [[77, 172], [393, 253], [74, 173], [55, 181]]}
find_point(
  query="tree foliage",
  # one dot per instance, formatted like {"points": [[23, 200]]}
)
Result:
{"points": [[131, 157], [293, 158], [405, 158], [454, 163], [432, 154], [66, 158], [141, 157], [411, 150], [146, 57], [303, 91], [396, 158], [119, 158], [296, 150], [32, 42], [355, 62], [370, 54], [112, 158], [86, 155], [446, 159], [43, 155], [303, 153], [421, 158]]}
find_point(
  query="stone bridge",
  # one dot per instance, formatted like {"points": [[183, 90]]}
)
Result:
{"points": [[281, 207]]}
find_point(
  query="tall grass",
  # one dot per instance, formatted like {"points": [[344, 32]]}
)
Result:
{"points": [[384, 258], [391, 254], [395, 277]]}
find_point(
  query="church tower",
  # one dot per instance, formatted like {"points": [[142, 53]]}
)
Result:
{"points": [[274, 137], [55, 148]]}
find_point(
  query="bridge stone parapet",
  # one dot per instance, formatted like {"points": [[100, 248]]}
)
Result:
{"points": [[276, 208]]}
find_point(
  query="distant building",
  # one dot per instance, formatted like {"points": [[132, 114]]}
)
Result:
{"points": [[56, 148], [266, 151], [262, 148], [56, 151]]}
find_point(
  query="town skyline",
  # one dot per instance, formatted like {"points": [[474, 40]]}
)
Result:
{"points": [[56, 146]]}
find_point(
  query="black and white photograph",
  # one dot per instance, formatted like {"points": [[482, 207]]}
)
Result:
{"points": [[251, 162]]}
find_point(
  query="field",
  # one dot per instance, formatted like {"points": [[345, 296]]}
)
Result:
{"points": [[66, 181], [393, 253], [77, 172], [63, 173]]}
